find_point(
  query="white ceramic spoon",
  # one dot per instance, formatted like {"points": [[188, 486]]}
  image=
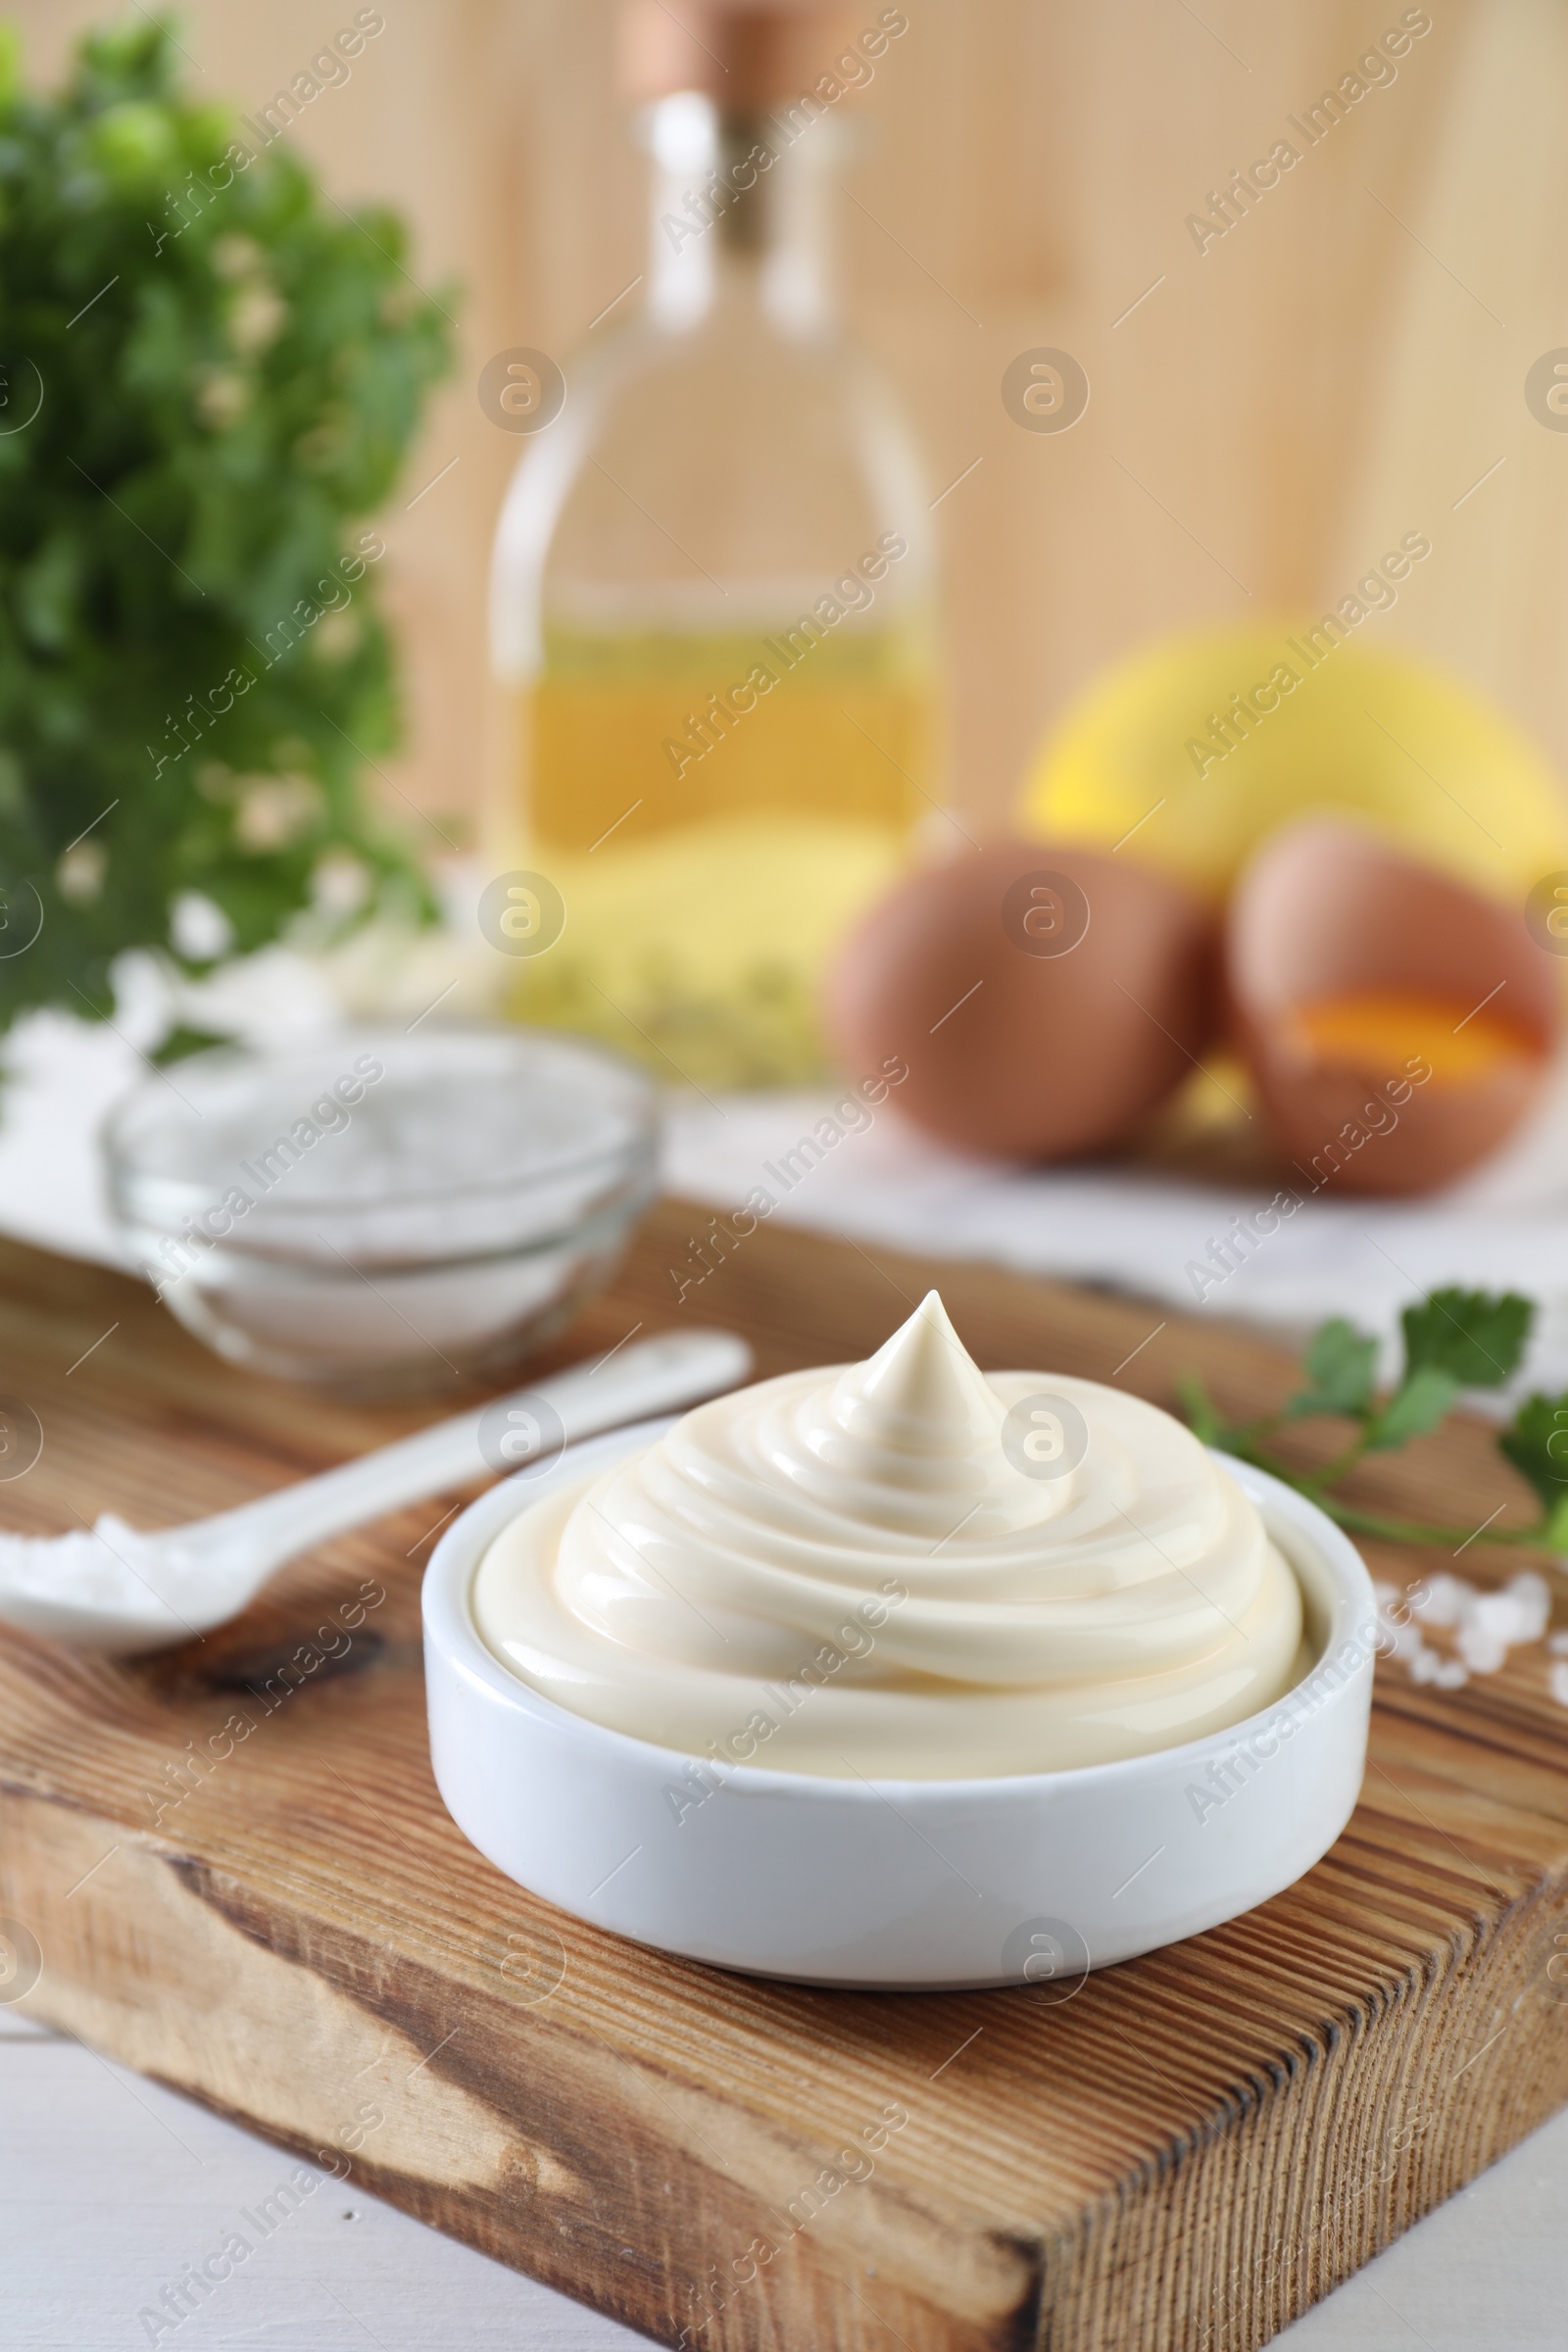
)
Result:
{"points": [[118, 1591]]}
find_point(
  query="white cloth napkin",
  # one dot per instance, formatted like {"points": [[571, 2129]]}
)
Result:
{"points": [[880, 1181], [1504, 1228]]}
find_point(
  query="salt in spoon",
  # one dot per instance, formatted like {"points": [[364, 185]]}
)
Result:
{"points": [[118, 1591]]}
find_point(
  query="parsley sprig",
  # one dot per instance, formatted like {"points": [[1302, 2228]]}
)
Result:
{"points": [[1453, 1340]]}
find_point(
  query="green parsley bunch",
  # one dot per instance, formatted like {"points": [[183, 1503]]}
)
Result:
{"points": [[208, 376]]}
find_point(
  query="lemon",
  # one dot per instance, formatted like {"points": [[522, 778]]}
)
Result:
{"points": [[1191, 751]]}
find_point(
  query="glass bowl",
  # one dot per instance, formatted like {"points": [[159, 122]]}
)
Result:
{"points": [[376, 1211]]}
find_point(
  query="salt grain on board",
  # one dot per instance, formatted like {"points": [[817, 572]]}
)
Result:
{"points": [[1485, 1626]]}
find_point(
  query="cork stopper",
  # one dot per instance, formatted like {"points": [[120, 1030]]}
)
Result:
{"points": [[743, 54]]}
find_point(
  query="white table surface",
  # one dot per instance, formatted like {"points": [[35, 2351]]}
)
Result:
{"points": [[110, 2186]]}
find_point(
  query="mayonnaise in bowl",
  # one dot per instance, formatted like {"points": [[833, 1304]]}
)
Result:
{"points": [[902, 1569]]}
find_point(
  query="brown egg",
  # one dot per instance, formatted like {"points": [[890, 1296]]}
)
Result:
{"points": [[1398, 1025], [1044, 998]]}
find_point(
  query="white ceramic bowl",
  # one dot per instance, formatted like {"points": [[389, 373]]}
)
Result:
{"points": [[1031, 1878]]}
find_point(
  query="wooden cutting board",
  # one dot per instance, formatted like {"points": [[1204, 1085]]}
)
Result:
{"points": [[234, 1865]]}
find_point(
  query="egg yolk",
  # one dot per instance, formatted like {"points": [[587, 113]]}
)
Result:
{"points": [[1377, 1031]]}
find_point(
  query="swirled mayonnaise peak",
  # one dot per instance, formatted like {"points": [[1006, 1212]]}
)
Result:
{"points": [[869, 1569]]}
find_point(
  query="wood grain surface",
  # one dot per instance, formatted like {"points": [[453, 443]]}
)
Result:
{"points": [[240, 1879]]}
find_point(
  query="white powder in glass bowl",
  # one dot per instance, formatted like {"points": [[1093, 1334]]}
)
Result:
{"points": [[382, 1211]]}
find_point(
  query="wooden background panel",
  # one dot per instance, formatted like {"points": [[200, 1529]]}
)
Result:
{"points": [[1335, 371]]}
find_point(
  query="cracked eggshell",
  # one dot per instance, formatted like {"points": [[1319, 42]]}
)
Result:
{"points": [[1045, 998], [1327, 910]]}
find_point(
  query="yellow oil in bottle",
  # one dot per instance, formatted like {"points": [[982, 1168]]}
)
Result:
{"points": [[715, 809]]}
